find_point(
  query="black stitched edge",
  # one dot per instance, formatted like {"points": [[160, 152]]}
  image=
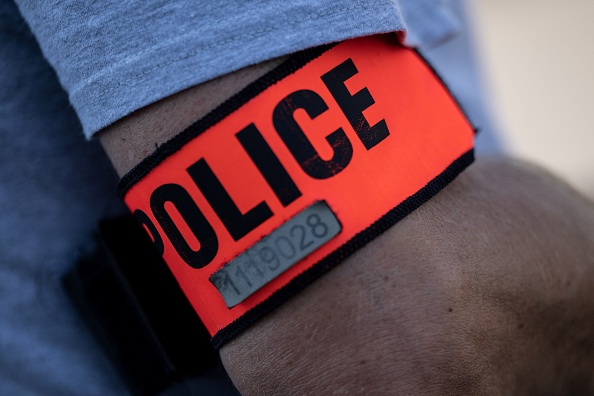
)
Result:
{"points": [[170, 147], [350, 247]]}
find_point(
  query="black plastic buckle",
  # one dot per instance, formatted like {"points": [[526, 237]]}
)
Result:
{"points": [[136, 309]]}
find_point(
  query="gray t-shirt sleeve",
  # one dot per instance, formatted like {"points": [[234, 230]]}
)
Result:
{"points": [[114, 57]]}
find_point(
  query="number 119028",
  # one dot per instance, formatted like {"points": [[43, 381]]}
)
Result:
{"points": [[285, 246]]}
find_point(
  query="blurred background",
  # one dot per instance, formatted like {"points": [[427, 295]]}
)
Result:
{"points": [[538, 61]]}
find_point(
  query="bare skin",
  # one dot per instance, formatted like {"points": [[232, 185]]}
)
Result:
{"points": [[133, 138], [487, 289], [482, 291]]}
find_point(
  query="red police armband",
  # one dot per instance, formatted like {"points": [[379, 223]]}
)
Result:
{"points": [[295, 173]]}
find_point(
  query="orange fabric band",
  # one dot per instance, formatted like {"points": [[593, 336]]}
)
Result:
{"points": [[364, 126]]}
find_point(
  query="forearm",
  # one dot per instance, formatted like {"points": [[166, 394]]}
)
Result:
{"points": [[426, 307], [482, 290]]}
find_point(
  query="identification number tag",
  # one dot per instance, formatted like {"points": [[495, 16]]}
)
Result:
{"points": [[294, 240]]}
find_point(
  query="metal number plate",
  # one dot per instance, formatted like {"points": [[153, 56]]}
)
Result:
{"points": [[301, 235]]}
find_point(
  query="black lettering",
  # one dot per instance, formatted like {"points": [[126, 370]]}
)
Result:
{"points": [[222, 281], [303, 244], [298, 143], [267, 162], [237, 224], [193, 217], [144, 220], [239, 273], [318, 228], [269, 257], [354, 105], [288, 251]]}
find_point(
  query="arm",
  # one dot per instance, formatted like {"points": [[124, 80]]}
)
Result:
{"points": [[486, 289]]}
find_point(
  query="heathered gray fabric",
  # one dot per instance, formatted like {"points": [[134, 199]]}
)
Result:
{"points": [[113, 57], [54, 186]]}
